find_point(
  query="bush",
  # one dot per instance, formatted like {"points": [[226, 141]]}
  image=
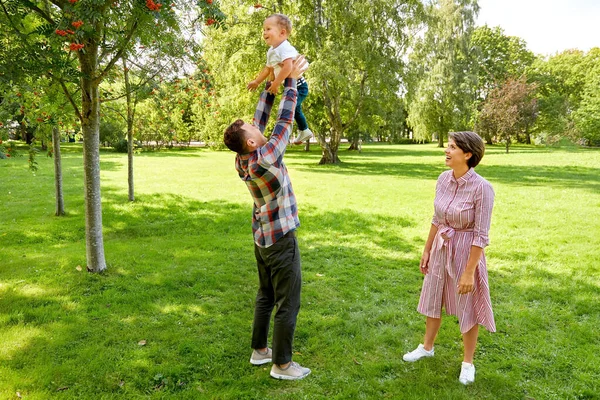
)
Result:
{"points": [[120, 146], [405, 141], [110, 133]]}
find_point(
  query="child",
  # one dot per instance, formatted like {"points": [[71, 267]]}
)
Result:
{"points": [[280, 57]]}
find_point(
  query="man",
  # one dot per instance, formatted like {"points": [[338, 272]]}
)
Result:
{"points": [[260, 165]]}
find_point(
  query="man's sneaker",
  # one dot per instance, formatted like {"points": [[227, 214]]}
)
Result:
{"points": [[467, 373], [303, 136], [292, 372], [418, 353], [261, 358]]}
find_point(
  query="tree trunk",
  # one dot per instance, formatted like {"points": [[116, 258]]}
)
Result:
{"points": [[440, 140], [60, 204], [354, 143], [330, 149], [488, 138], [507, 143], [130, 112], [90, 125], [307, 146]]}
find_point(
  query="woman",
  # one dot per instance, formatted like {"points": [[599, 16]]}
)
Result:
{"points": [[453, 260]]}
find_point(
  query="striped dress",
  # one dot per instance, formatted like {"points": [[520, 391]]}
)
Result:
{"points": [[463, 209]]}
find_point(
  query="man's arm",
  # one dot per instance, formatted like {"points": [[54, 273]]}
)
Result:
{"points": [[275, 147], [263, 110]]}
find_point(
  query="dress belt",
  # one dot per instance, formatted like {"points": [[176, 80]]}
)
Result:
{"points": [[448, 243]]}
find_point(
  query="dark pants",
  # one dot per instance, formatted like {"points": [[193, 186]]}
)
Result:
{"points": [[280, 282], [299, 115]]}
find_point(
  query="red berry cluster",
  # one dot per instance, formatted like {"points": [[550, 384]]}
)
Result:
{"points": [[60, 32], [76, 46], [77, 24], [73, 1], [152, 6], [211, 21]]}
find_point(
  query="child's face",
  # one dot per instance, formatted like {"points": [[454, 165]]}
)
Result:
{"points": [[273, 34]]}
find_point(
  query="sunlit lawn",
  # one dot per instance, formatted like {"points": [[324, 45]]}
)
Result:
{"points": [[181, 276]]}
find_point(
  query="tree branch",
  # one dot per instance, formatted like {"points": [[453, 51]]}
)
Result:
{"points": [[120, 52], [68, 94], [39, 11], [362, 97]]}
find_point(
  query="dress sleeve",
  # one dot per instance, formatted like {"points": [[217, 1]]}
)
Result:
{"points": [[484, 202]]}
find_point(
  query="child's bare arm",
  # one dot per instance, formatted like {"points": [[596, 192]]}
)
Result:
{"points": [[264, 73], [286, 68]]}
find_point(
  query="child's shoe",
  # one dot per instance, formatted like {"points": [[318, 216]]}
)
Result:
{"points": [[303, 136]]}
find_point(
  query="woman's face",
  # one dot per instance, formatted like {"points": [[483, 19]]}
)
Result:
{"points": [[455, 157]]}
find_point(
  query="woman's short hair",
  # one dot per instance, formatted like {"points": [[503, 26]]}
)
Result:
{"points": [[283, 22], [235, 137], [469, 142]]}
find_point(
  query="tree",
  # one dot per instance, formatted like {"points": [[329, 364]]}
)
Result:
{"points": [[499, 57], [440, 91], [587, 116], [509, 110], [93, 35], [565, 79], [356, 51]]}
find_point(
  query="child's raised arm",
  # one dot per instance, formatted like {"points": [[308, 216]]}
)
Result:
{"points": [[286, 68], [264, 73]]}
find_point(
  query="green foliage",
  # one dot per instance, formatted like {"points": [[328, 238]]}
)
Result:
{"points": [[565, 80], [442, 81], [111, 132], [182, 277], [121, 146]]}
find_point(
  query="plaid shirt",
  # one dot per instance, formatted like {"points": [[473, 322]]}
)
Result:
{"points": [[274, 212]]}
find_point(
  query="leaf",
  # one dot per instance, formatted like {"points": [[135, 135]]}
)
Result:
{"points": [[320, 275], [19, 395], [60, 389], [356, 362], [78, 268], [122, 383], [142, 342]]}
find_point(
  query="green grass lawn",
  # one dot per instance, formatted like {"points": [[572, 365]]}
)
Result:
{"points": [[181, 276]]}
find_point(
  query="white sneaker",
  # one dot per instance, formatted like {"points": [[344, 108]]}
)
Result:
{"points": [[467, 373], [418, 353], [293, 371], [303, 136], [261, 358]]}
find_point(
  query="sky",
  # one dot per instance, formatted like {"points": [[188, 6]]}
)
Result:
{"points": [[548, 26]]}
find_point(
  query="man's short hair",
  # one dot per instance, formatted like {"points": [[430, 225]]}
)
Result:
{"points": [[469, 142], [283, 22], [235, 137]]}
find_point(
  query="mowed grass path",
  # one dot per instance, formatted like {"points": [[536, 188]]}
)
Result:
{"points": [[181, 276]]}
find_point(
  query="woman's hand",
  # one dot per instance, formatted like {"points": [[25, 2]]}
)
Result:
{"points": [[424, 264], [466, 283]]}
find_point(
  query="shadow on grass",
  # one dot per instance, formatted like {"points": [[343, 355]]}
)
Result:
{"points": [[562, 177], [182, 278]]}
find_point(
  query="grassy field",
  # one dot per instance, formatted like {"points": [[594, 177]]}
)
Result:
{"points": [[181, 277]]}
